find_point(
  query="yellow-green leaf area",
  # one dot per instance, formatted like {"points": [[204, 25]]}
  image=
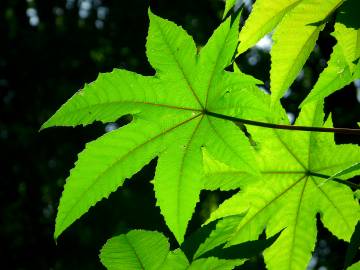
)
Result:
{"points": [[292, 190], [342, 68], [170, 122]]}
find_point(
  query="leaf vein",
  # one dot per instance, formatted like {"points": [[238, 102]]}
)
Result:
{"points": [[121, 158]]}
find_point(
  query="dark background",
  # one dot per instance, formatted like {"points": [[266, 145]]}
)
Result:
{"points": [[48, 50]]}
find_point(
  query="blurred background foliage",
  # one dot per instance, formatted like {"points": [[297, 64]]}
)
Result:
{"points": [[48, 50]]}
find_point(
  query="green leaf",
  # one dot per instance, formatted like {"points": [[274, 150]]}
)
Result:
{"points": [[149, 250], [353, 246], [341, 69], [224, 230], [249, 249], [288, 197], [135, 250], [294, 39], [104, 165], [355, 266], [264, 17], [229, 4], [297, 28], [223, 177], [112, 95], [170, 122], [175, 260]]}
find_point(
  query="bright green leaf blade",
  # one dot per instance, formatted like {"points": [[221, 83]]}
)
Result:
{"points": [[341, 67], [322, 145], [178, 179], [176, 260], [227, 143], [347, 28], [215, 56], [355, 266], [265, 212], [229, 4], [264, 17], [295, 244], [286, 198], [340, 211], [261, 200], [334, 77], [294, 39], [236, 94], [172, 52], [104, 165], [167, 112], [213, 263], [111, 96], [221, 176], [135, 250]]}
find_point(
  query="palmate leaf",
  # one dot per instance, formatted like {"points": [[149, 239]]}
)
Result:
{"points": [[298, 24], [344, 61], [149, 250], [170, 122], [290, 192]]}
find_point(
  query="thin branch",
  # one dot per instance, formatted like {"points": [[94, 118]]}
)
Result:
{"points": [[287, 127]]}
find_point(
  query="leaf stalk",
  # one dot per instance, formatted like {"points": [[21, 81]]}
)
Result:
{"points": [[348, 131]]}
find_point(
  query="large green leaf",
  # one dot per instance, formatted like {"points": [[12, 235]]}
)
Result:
{"points": [[149, 250], [224, 229], [135, 250], [297, 26], [355, 266], [170, 122], [294, 39], [291, 191], [175, 260], [341, 69], [264, 17]]}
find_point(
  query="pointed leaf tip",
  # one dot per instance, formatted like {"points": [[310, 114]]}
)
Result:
{"points": [[138, 249]]}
